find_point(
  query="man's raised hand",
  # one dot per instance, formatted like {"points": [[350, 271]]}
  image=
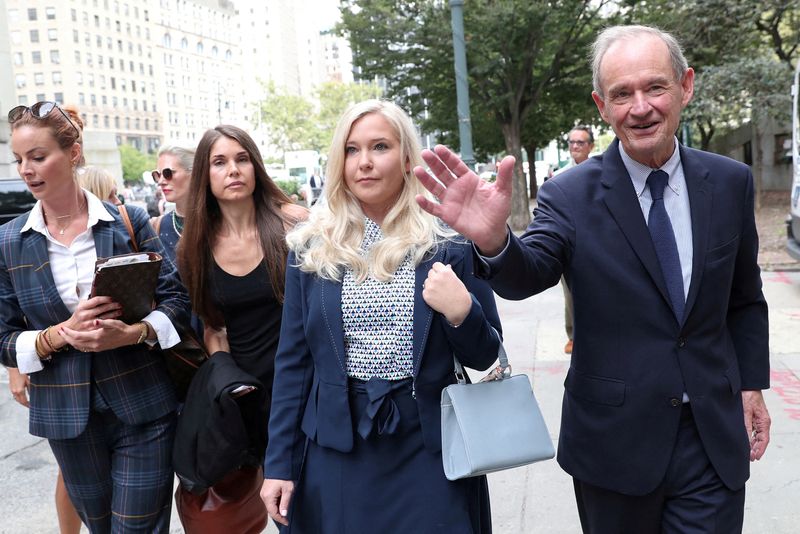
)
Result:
{"points": [[476, 209]]}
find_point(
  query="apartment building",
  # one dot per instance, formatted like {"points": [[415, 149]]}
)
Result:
{"points": [[93, 54], [156, 71]]}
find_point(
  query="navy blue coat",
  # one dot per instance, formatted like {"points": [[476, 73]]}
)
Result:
{"points": [[132, 379], [310, 396], [632, 359]]}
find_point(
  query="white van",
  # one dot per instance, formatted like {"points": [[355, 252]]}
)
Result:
{"points": [[793, 222]]}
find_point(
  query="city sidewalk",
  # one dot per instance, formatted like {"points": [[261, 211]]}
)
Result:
{"points": [[536, 499]]}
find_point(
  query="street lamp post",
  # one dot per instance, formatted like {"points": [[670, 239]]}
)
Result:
{"points": [[462, 86]]}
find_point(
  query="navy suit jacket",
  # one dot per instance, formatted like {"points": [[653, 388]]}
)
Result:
{"points": [[309, 395], [632, 359], [133, 380]]}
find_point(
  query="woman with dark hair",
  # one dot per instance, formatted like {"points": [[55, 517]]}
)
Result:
{"points": [[232, 253], [103, 400]]}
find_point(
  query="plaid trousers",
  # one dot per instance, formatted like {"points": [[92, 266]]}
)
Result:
{"points": [[119, 476]]}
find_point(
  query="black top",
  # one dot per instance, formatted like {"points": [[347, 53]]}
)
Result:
{"points": [[252, 318]]}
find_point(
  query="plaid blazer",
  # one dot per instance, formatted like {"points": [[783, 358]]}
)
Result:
{"points": [[133, 380]]}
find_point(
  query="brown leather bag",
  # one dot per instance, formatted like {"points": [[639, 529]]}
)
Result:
{"points": [[232, 505]]}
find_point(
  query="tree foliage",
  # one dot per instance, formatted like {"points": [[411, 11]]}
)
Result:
{"points": [[288, 119], [525, 58], [134, 163], [294, 123]]}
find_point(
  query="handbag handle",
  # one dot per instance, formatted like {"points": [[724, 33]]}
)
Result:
{"points": [[499, 373], [127, 221]]}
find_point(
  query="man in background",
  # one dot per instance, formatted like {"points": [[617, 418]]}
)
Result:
{"points": [[580, 141]]}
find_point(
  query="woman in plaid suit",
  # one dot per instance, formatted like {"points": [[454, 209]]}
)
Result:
{"points": [[98, 393]]}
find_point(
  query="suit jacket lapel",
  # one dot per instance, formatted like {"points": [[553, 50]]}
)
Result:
{"points": [[700, 198], [423, 314], [624, 206], [34, 253], [331, 294], [104, 239]]}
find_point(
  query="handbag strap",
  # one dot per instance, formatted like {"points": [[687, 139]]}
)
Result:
{"points": [[127, 221], [501, 372]]}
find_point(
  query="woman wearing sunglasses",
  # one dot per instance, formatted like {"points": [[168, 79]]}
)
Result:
{"points": [[99, 395]]}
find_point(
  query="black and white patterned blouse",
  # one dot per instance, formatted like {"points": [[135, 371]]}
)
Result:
{"points": [[378, 319]]}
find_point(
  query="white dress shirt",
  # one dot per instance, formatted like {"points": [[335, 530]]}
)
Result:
{"points": [[73, 271]]}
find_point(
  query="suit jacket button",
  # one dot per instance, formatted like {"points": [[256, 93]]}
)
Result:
{"points": [[674, 401], [681, 342]]}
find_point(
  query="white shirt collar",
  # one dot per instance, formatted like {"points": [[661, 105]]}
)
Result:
{"points": [[639, 171], [97, 212]]}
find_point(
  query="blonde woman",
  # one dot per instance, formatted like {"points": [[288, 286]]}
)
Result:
{"points": [[379, 297], [99, 182]]}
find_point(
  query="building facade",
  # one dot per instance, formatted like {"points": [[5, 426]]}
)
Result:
{"points": [[156, 71]]}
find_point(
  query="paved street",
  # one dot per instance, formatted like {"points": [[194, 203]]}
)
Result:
{"points": [[536, 499]]}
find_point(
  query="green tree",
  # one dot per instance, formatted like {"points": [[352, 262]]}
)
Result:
{"points": [[134, 163], [334, 99], [289, 119], [518, 54]]}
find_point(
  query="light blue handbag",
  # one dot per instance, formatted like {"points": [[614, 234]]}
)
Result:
{"points": [[493, 425]]}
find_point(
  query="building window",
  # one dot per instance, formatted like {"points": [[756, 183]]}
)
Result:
{"points": [[18, 58], [52, 34], [59, 98], [20, 79], [38, 78], [81, 99], [57, 77], [22, 100], [34, 36], [55, 57], [78, 57], [79, 77], [40, 97], [105, 121], [199, 48], [93, 99], [184, 43], [116, 122], [95, 121], [36, 57], [32, 14], [50, 13], [73, 14]]}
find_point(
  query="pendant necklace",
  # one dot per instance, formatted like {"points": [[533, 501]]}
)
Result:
{"points": [[69, 216]]}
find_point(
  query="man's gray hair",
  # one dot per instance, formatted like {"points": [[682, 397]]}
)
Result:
{"points": [[611, 35]]}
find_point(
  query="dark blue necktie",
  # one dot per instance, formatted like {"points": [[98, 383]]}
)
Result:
{"points": [[664, 240]]}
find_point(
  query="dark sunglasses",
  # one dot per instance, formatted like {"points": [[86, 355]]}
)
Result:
{"points": [[40, 110], [166, 173]]}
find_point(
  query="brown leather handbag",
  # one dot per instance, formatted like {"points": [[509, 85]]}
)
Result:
{"points": [[232, 505], [184, 359]]}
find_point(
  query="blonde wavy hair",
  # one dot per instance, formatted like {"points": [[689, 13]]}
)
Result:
{"points": [[99, 181], [330, 241]]}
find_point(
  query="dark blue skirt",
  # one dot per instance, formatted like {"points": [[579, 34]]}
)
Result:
{"points": [[389, 482]]}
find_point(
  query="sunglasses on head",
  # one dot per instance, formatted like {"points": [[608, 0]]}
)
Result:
{"points": [[166, 173], [40, 110]]}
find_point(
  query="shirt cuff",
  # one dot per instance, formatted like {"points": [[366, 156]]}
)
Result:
{"points": [[494, 261], [27, 360], [164, 329]]}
